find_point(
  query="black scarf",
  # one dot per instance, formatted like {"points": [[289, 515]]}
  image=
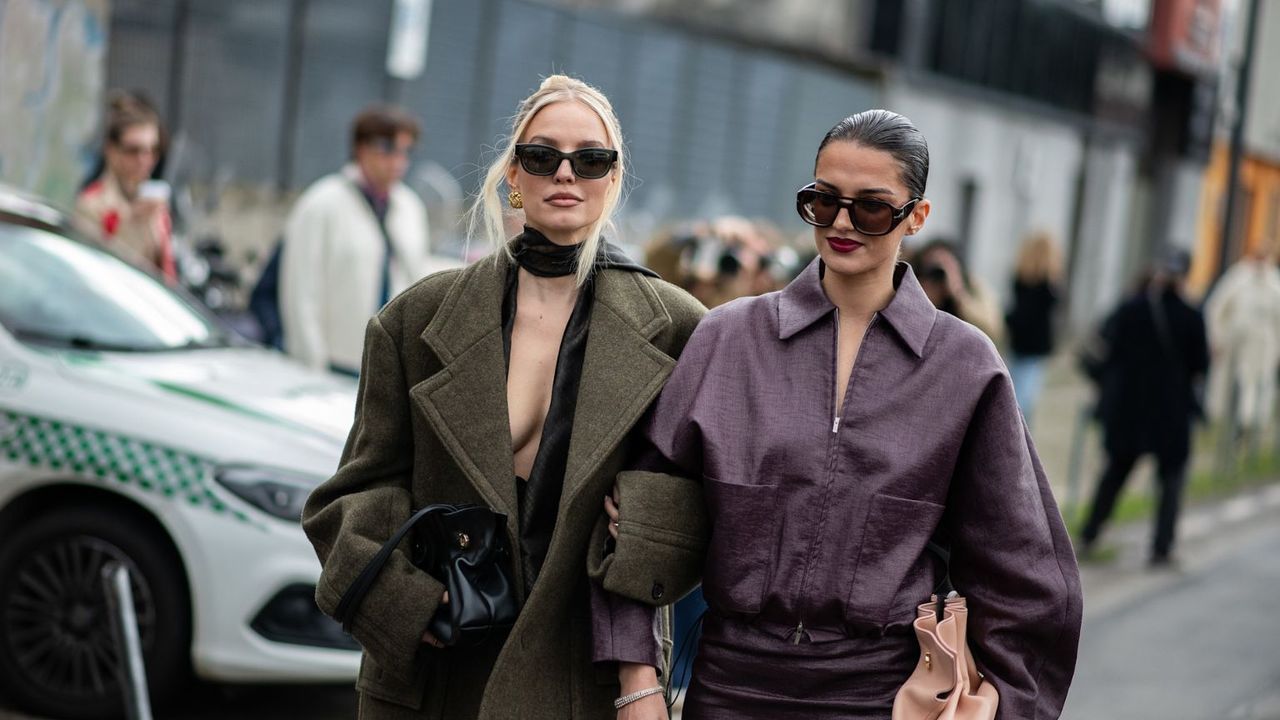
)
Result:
{"points": [[541, 257], [539, 494]]}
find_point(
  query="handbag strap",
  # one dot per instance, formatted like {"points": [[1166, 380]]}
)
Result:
{"points": [[352, 598]]}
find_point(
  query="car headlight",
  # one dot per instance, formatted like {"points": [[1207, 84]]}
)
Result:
{"points": [[274, 491]]}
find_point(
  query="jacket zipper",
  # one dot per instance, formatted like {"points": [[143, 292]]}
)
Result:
{"points": [[838, 411]]}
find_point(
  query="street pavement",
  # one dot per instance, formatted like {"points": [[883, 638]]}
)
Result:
{"points": [[1201, 642]]}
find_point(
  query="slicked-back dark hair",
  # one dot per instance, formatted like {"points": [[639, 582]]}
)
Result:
{"points": [[892, 133]]}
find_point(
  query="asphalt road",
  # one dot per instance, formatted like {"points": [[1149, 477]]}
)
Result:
{"points": [[1201, 643]]}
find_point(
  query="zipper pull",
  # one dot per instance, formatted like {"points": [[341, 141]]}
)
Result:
{"points": [[798, 632], [835, 426]]}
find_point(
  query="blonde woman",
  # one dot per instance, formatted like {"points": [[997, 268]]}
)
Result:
{"points": [[1037, 283], [514, 384]]}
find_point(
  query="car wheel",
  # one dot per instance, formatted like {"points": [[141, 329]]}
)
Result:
{"points": [[57, 654]]}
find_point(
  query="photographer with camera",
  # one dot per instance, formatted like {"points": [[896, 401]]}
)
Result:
{"points": [[954, 291]]}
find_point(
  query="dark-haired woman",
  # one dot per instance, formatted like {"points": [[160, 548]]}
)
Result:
{"points": [[833, 429]]}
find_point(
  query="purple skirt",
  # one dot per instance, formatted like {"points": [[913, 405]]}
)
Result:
{"points": [[744, 673]]}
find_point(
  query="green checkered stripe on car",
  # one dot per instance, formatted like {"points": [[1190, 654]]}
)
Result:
{"points": [[111, 459]]}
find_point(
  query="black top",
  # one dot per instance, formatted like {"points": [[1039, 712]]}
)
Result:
{"points": [[539, 494], [1030, 320]]}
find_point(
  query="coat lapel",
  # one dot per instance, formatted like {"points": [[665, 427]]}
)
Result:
{"points": [[466, 402], [622, 373]]}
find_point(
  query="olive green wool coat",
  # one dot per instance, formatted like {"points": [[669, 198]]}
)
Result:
{"points": [[432, 426]]}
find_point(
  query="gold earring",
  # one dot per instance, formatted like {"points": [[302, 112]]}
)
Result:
{"points": [[515, 199]]}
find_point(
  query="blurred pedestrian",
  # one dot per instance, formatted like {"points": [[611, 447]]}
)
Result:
{"points": [[1155, 355], [512, 384], [353, 240], [123, 207], [953, 290], [1037, 286], [833, 429], [1243, 318]]}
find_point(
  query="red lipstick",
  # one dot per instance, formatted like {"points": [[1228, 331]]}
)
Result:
{"points": [[843, 244]]}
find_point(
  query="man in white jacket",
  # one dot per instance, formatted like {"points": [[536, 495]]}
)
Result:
{"points": [[353, 240], [1243, 318]]}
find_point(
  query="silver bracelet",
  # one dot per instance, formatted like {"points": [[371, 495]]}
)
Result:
{"points": [[626, 700]]}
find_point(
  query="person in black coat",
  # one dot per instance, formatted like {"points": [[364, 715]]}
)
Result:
{"points": [[1156, 356]]}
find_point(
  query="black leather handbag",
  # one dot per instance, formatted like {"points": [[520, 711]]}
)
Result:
{"points": [[464, 547]]}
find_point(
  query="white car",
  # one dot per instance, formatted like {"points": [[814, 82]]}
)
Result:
{"points": [[134, 428]]}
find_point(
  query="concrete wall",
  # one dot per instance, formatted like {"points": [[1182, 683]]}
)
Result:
{"points": [[1262, 129], [1023, 171], [1104, 254]]}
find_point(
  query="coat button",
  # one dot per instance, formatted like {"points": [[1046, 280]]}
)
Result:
{"points": [[658, 591]]}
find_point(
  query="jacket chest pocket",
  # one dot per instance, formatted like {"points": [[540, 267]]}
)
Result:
{"points": [[893, 542], [743, 536]]}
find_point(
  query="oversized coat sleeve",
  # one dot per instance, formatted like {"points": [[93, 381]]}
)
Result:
{"points": [[1012, 559], [664, 531], [350, 516]]}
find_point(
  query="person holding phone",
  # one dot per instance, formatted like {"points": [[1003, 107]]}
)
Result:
{"points": [[124, 207]]}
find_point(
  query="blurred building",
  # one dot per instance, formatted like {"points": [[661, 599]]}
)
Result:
{"points": [[1089, 118], [1258, 203]]}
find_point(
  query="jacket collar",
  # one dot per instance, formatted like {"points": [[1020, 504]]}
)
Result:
{"points": [[803, 302]]}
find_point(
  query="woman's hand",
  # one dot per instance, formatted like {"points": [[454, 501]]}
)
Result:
{"points": [[147, 208], [955, 276], [427, 637], [634, 677], [646, 708], [611, 509]]}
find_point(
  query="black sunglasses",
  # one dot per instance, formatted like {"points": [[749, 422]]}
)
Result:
{"points": [[869, 217], [587, 163]]}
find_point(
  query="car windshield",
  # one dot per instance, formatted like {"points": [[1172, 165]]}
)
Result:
{"points": [[56, 291]]}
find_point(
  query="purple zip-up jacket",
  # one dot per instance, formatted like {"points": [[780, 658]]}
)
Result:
{"points": [[820, 517]]}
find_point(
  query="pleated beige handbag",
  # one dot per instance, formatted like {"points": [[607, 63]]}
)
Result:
{"points": [[946, 684]]}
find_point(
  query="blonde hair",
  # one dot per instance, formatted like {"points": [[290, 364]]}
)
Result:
{"points": [[1039, 259], [485, 216]]}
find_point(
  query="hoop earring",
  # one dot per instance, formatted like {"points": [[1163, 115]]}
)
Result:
{"points": [[515, 200]]}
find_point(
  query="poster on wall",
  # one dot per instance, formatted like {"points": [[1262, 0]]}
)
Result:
{"points": [[53, 57]]}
